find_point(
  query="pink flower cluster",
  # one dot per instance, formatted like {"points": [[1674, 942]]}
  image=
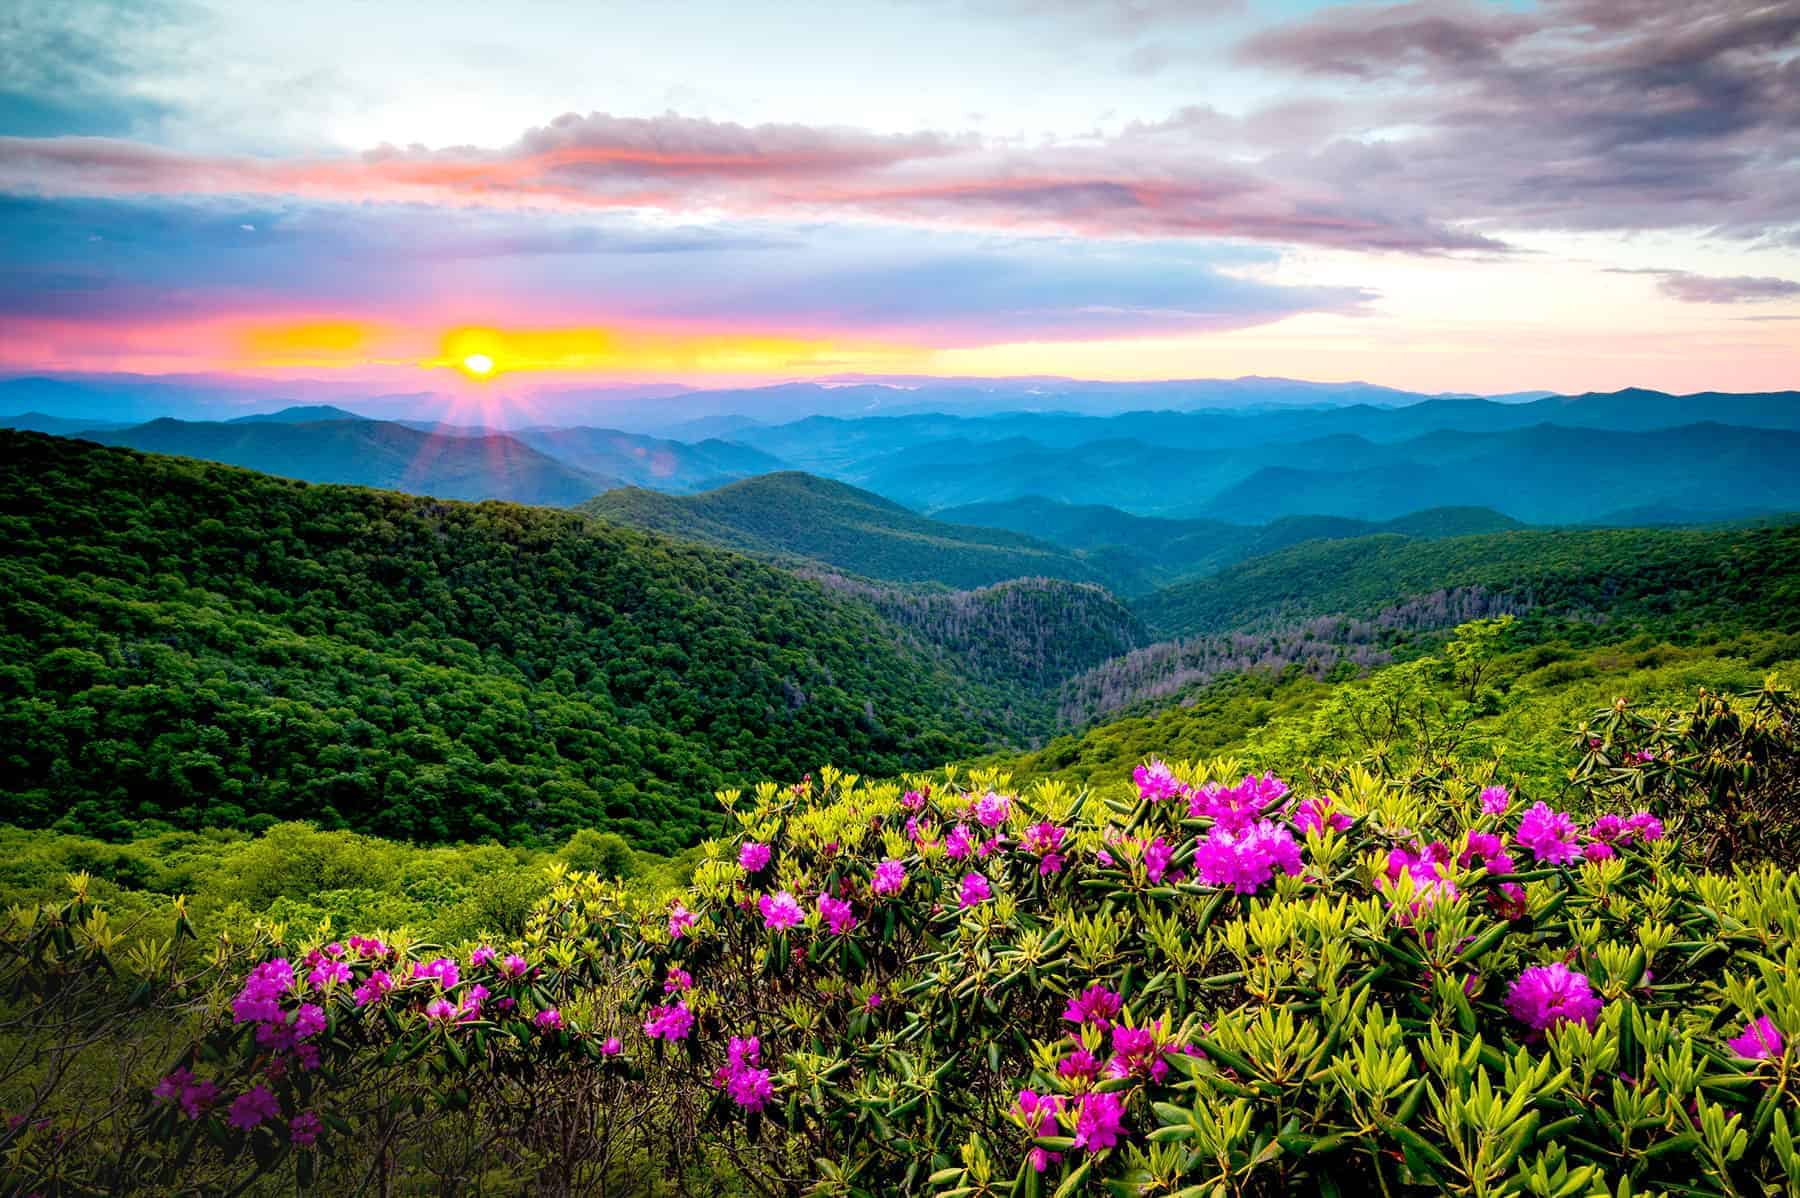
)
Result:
{"points": [[1546, 995], [780, 911], [1246, 858], [743, 1076], [194, 1095], [890, 877], [1760, 1040], [1236, 807], [1037, 1113], [671, 1022]]}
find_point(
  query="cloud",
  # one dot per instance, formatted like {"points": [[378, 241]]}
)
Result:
{"points": [[1571, 114], [1132, 186], [121, 261], [1719, 289]]}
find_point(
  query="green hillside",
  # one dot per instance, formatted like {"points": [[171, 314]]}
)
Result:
{"points": [[799, 517], [1141, 552], [206, 646], [1681, 577], [372, 453]]}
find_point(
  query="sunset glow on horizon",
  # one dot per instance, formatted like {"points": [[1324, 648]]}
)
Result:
{"points": [[1276, 189]]}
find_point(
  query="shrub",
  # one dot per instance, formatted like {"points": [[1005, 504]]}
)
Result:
{"points": [[1194, 983]]}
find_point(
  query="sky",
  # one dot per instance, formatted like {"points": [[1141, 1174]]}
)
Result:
{"points": [[1440, 196]]}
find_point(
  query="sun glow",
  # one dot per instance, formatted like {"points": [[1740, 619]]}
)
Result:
{"points": [[478, 365]]}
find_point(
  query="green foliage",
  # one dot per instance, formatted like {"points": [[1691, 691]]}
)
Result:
{"points": [[1680, 579], [208, 647], [797, 517], [1396, 1011]]}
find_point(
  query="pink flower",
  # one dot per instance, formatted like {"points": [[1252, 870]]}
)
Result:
{"points": [[890, 877], [374, 989], [548, 1020], [612, 1047], [839, 915], [677, 981], [327, 973], [1426, 869], [1495, 800], [752, 856], [1315, 815], [1156, 781], [912, 800], [1598, 851], [309, 1021], [440, 1010], [1079, 1064], [259, 1001], [1096, 1005], [304, 1129], [1235, 808], [1545, 995], [1099, 1122], [780, 911], [992, 810], [1037, 1113], [1548, 834], [513, 967], [680, 920], [253, 1108], [974, 889], [1484, 849], [194, 1095], [368, 947], [1645, 825], [958, 844], [1157, 857], [742, 1077], [1246, 859], [873, 1002], [672, 1022], [1761, 1040], [443, 971]]}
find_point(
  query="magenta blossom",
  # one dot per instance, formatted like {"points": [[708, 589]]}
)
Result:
{"points": [[484, 955], [677, 981], [1246, 860], [374, 989], [304, 1129], [992, 810], [974, 889], [1037, 1114], [1545, 995], [1099, 1122], [681, 921], [1761, 1040], [1495, 800], [443, 971], [752, 856], [253, 1108], [548, 1020], [1156, 782], [1548, 835], [839, 916], [958, 844], [1316, 815], [890, 877], [780, 911], [672, 1022], [612, 1047], [1096, 1005]]}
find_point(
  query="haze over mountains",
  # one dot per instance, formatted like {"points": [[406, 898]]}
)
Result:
{"points": [[1352, 453]]}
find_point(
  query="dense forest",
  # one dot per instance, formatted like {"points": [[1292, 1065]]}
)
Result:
{"points": [[800, 518], [201, 645]]}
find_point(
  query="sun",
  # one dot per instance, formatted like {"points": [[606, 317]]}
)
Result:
{"points": [[478, 365]]}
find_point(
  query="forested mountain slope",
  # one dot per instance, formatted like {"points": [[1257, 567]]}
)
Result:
{"points": [[373, 453], [799, 517], [200, 644]]}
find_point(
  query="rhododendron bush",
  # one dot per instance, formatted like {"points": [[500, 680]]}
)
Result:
{"points": [[1193, 982]]}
